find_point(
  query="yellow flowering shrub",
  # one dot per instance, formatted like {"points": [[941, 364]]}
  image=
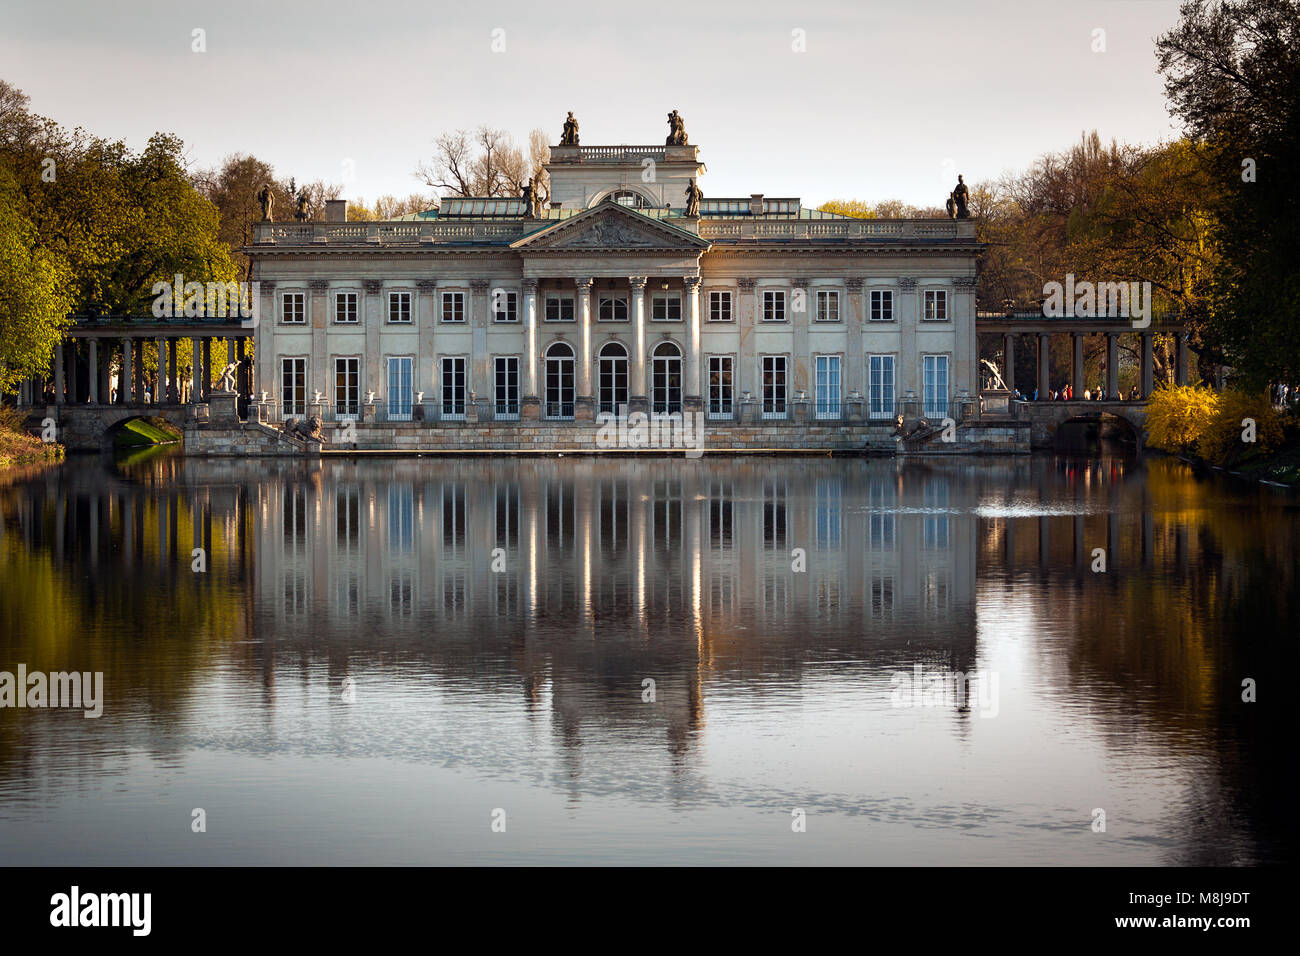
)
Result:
{"points": [[1239, 418], [1178, 415]]}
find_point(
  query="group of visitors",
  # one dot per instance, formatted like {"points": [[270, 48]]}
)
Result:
{"points": [[1066, 394]]}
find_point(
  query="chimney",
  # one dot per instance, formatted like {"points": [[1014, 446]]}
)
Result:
{"points": [[756, 204], [336, 210]]}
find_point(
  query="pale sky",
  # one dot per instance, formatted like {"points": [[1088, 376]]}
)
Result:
{"points": [[890, 98]]}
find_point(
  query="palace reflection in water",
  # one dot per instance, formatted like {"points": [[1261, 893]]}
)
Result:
{"points": [[498, 618]]}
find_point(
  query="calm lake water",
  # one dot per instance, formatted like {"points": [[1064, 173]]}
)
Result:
{"points": [[383, 657]]}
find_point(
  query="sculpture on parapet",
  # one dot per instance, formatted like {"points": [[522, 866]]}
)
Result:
{"points": [[693, 196], [957, 201], [676, 130], [228, 377], [301, 212], [529, 196], [570, 135], [266, 199], [308, 429]]}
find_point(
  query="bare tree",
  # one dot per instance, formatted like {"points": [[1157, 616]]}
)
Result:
{"points": [[485, 162]]}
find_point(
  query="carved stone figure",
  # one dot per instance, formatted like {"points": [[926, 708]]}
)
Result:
{"points": [[570, 135], [301, 213], [228, 377], [960, 196], [529, 196], [693, 197], [265, 198], [308, 429], [676, 130]]}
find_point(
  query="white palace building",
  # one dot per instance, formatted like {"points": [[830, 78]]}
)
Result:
{"points": [[626, 291]]}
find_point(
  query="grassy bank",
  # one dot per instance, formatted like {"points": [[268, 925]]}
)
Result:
{"points": [[140, 433], [19, 448]]}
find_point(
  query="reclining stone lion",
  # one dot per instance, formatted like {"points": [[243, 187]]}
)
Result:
{"points": [[308, 429]]}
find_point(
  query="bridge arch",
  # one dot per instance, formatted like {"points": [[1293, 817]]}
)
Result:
{"points": [[1047, 418]]}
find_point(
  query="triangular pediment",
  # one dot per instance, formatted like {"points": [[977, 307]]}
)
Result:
{"points": [[609, 226]]}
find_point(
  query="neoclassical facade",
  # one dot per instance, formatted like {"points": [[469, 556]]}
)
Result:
{"points": [[618, 295]]}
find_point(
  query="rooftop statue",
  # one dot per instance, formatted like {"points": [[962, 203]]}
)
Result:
{"points": [[265, 198], [957, 201], [676, 130], [570, 135], [301, 212], [529, 196], [693, 196]]}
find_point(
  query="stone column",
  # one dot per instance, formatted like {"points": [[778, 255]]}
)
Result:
{"points": [[1182, 357], [1112, 365], [58, 375], [125, 386], [746, 373], [196, 359], [207, 367], [262, 358], [173, 376], [966, 353], [530, 405], [799, 374], [425, 318], [855, 360], [94, 372], [322, 318], [584, 407], [160, 389], [137, 380], [1044, 365], [1009, 362], [637, 391], [1148, 366], [1077, 370], [480, 370], [907, 373], [692, 391]]}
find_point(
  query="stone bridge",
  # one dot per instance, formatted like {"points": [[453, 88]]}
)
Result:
{"points": [[86, 427], [1047, 417]]}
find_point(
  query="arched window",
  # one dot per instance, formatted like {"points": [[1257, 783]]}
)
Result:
{"points": [[666, 379], [559, 381], [612, 378], [625, 197]]}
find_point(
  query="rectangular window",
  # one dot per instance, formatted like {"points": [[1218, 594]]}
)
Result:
{"points": [[720, 386], [400, 378], [559, 308], [935, 378], [881, 386], [453, 307], [347, 388], [666, 307], [774, 386], [773, 306], [293, 386], [613, 308], [719, 306], [506, 383], [882, 305], [828, 306], [345, 308], [399, 307], [453, 387], [936, 305], [293, 308], [505, 306], [827, 381]]}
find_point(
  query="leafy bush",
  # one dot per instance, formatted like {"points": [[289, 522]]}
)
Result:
{"points": [[1178, 415], [1224, 438]]}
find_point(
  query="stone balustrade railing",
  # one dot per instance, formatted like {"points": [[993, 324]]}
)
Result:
{"points": [[916, 229]]}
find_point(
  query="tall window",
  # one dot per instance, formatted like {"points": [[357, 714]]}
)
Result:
{"points": [[400, 377], [612, 377], [719, 306], [505, 306], [506, 382], [559, 381], [666, 307], [827, 381], [347, 387], [453, 387], [453, 307], [613, 308], [882, 305], [935, 377], [774, 386], [399, 307], [881, 386], [828, 306], [345, 308], [293, 386], [666, 379], [720, 386], [559, 308], [773, 306], [936, 304], [293, 308]]}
